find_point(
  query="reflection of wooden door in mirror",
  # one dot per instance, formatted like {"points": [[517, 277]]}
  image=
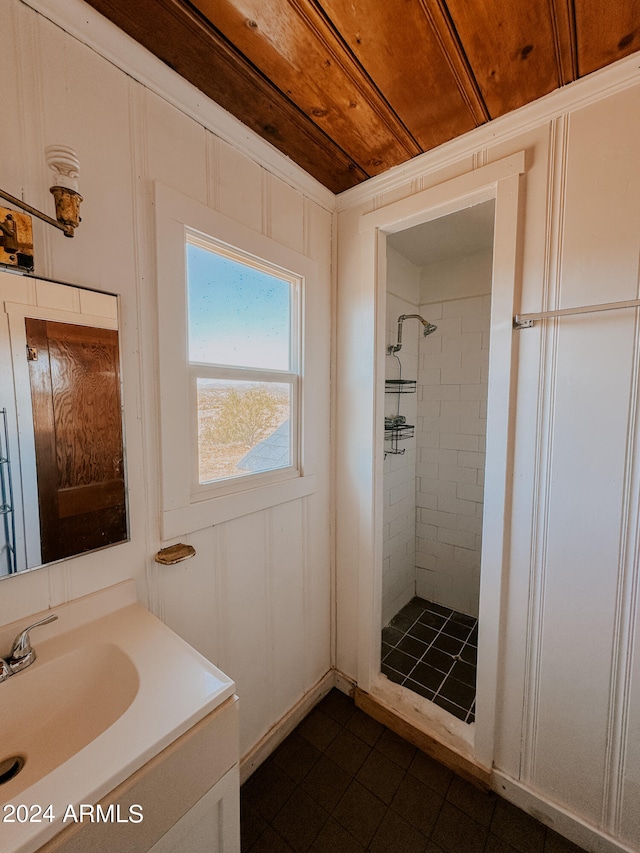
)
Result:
{"points": [[75, 394]]}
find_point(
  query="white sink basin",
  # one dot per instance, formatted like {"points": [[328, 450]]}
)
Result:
{"points": [[60, 704], [111, 687]]}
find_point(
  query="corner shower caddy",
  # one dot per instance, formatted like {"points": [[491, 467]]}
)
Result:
{"points": [[395, 428]]}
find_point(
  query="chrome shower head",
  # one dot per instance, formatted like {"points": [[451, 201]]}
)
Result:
{"points": [[429, 328]]}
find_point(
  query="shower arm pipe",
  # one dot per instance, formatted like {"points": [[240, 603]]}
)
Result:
{"points": [[392, 349]]}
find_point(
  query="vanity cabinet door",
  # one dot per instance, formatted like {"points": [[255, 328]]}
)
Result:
{"points": [[212, 825], [185, 800]]}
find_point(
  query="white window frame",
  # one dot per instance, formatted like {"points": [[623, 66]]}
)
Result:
{"points": [[198, 370], [185, 508]]}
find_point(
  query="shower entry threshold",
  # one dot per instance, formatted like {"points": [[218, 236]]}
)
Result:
{"points": [[432, 650]]}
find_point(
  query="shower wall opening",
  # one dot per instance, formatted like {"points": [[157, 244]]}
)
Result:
{"points": [[435, 430]]}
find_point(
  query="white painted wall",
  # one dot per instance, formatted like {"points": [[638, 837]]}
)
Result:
{"points": [[399, 512], [567, 730], [256, 598]]}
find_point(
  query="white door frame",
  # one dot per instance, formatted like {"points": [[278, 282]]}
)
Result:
{"points": [[499, 180]]}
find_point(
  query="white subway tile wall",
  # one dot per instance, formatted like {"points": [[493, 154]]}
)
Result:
{"points": [[450, 443]]}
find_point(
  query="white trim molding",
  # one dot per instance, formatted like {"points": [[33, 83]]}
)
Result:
{"points": [[499, 180], [182, 511]]}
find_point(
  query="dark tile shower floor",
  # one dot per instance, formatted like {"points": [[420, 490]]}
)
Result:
{"points": [[343, 783], [432, 650]]}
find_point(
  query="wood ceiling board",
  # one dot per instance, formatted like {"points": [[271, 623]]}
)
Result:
{"points": [[415, 81], [195, 51], [420, 70], [511, 48], [563, 21], [607, 30], [294, 46]]}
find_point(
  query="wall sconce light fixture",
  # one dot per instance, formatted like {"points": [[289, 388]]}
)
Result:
{"points": [[64, 163], [16, 230], [66, 168]]}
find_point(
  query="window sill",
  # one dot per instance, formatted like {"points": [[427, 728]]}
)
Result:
{"points": [[205, 513]]}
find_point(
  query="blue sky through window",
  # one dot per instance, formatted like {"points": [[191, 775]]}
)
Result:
{"points": [[238, 315]]}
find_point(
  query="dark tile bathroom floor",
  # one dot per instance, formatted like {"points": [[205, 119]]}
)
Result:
{"points": [[343, 783], [432, 650]]}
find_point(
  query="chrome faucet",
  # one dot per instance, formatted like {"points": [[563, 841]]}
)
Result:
{"points": [[22, 653]]}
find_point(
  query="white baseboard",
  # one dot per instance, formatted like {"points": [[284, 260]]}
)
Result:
{"points": [[554, 816], [277, 733]]}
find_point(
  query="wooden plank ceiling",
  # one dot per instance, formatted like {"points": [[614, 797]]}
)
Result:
{"points": [[350, 88]]}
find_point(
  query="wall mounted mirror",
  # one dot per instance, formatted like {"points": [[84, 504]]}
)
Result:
{"points": [[62, 472]]}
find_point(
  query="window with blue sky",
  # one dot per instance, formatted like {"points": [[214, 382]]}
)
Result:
{"points": [[242, 355]]}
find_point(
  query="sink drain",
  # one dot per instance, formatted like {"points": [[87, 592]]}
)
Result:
{"points": [[10, 767]]}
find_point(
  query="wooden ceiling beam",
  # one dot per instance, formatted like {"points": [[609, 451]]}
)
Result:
{"points": [[185, 42]]}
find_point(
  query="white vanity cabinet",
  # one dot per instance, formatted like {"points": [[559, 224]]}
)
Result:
{"points": [[128, 736], [188, 797]]}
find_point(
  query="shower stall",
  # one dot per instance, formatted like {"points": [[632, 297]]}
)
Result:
{"points": [[438, 274]]}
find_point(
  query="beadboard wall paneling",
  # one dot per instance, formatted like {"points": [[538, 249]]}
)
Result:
{"points": [[238, 182], [256, 597], [587, 583]]}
